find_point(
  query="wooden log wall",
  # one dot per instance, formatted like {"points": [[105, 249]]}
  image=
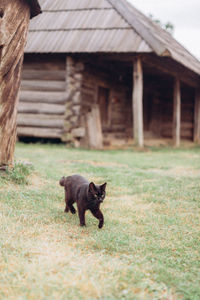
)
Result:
{"points": [[118, 127], [187, 115], [72, 130], [158, 114], [42, 97]]}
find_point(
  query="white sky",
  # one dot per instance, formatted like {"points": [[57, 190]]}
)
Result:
{"points": [[183, 14]]}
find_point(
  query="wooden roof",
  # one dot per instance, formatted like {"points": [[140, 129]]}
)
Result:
{"points": [[106, 26], [35, 7]]}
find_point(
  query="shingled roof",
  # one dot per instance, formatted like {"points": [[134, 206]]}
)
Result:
{"points": [[106, 26]]}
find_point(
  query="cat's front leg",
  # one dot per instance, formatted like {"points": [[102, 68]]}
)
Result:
{"points": [[66, 202], [98, 214], [81, 214]]}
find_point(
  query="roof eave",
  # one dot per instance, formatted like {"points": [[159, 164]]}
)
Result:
{"points": [[157, 46]]}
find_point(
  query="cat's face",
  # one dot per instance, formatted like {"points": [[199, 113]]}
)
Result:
{"points": [[98, 192]]}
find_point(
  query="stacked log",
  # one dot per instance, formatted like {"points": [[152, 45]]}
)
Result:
{"points": [[42, 101], [72, 130]]}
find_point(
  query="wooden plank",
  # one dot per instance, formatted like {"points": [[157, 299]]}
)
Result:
{"points": [[185, 134], [176, 129], [41, 108], [43, 97], [138, 102], [43, 85], [30, 74], [184, 125], [197, 117], [94, 129], [39, 132], [40, 120]]}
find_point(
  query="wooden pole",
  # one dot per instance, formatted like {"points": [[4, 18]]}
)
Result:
{"points": [[176, 113], [138, 102], [14, 27], [197, 117]]}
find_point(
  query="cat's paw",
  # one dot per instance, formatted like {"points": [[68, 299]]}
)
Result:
{"points": [[82, 225], [73, 211], [100, 225]]}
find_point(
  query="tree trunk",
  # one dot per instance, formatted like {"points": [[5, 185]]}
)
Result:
{"points": [[14, 26]]}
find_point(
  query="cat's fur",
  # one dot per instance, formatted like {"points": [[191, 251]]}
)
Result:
{"points": [[86, 195]]}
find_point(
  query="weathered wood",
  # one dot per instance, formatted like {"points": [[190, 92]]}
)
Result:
{"points": [[56, 75], [197, 117], [184, 125], [168, 66], [186, 134], [47, 62], [40, 120], [43, 97], [39, 132], [41, 108], [13, 33], [94, 129], [176, 130], [43, 85], [138, 102]]}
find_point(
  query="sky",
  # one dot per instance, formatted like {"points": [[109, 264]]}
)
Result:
{"points": [[183, 14]]}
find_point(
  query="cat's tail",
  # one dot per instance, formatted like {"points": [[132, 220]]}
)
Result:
{"points": [[62, 181]]}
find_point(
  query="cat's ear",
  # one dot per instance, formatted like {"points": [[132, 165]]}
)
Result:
{"points": [[92, 188], [103, 186]]}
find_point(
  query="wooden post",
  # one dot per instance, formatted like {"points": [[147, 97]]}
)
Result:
{"points": [[138, 102], [197, 117], [14, 26], [176, 128]]}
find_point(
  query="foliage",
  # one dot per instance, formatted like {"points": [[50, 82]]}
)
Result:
{"points": [[167, 26], [19, 173], [148, 249]]}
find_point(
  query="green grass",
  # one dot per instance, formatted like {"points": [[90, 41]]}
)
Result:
{"points": [[19, 173], [149, 247]]}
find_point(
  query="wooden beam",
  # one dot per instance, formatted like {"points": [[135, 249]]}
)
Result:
{"points": [[176, 130], [43, 85], [41, 108], [138, 102], [40, 120], [39, 132], [43, 97], [169, 66], [197, 117], [31, 74]]}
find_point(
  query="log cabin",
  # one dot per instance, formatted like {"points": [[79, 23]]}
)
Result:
{"points": [[98, 73], [14, 21]]}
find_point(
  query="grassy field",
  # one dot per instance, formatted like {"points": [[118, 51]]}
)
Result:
{"points": [[149, 247]]}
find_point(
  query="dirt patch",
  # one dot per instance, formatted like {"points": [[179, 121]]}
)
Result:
{"points": [[95, 163], [178, 172], [36, 181]]}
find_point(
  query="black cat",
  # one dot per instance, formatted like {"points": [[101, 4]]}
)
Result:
{"points": [[86, 195]]}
